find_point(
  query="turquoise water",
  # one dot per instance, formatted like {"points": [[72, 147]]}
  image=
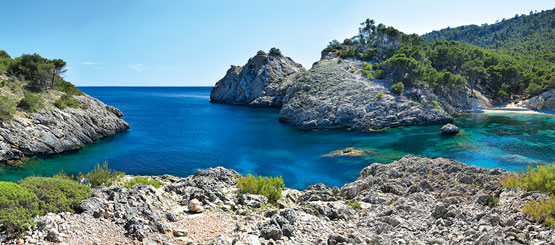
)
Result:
{"points": [[177, 131]]}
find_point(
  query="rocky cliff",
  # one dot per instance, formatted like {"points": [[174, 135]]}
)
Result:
{"points": [[542, 102], [52, 130], [335, 93], [261, 82], [411, 201]]}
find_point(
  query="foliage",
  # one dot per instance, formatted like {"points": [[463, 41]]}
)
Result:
{"points": [[38, 71], [398, 88], [541, 178], [31, 102], [261, 52], [7, 108], [542, 211], [101, 175], [379, 74], [354, 204], [66, 101], [367, 70], [380, 95], [56, 195], [275, 51], [492, 201], [340, 60], [269, 187], [18, 207], [142, 181], [61, 85]]}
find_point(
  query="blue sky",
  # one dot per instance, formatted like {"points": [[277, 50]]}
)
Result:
{"points": [[193, 43]]}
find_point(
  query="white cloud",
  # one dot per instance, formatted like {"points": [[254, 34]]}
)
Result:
{"points": [[142, 67], [90, 63]]}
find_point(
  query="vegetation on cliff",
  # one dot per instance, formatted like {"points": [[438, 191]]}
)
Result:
{"points": [[27, 82], [440, 63]]}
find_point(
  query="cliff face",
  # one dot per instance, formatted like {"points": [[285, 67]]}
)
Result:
{"points": [[262, 82], [334, 94], [542, 102], [52, 130]]}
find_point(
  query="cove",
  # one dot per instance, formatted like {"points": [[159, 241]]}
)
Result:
{"points": [[176, 130]]}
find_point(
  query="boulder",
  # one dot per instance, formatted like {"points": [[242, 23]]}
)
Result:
{"points": [[195, 206], [449, 129]]}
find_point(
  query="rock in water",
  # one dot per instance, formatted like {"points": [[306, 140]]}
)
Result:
{"points": [[450, 129], [195, 206], [51, 130], [262, 82], [334, 94]]}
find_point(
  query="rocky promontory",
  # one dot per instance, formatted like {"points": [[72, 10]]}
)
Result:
{"points": [[335, 93], [52, 130], [261, 82], [413, 200], [542, 102]]}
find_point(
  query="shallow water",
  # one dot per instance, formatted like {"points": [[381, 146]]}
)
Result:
{"points": [[177, 131]]}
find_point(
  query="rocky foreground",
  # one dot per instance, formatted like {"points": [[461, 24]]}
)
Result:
{"points": [[51, 130], [411, 201]]}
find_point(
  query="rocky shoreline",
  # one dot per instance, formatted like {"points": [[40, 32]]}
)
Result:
{"points": [[413, 200], [52, 130]]}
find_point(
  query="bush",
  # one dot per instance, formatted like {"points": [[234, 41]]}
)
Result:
{"points": [[18, 207], [7, 108], [398, 88], [339, 61], [66, 87], [354, 204], [275, 51], [260, 52], [269, 187], [142, 181], [66, 101], [367, 70], [101, 175], [31, 102], [56, 195], [542, 211], [380, 95], [379, 74], [541, 178], [492, 201]]}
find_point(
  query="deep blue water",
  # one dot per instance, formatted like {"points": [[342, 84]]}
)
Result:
{"points": [[177, 131]]}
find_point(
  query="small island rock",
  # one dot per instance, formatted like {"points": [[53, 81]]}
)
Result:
{"points": [[449, 129]]}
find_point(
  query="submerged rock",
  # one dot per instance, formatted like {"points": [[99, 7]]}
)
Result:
{"points": [[350, 152], [261, 82], [449, 129]]}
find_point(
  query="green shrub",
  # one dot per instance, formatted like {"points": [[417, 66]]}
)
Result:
{"points": [[275, 51], [260, 52], [101, 175], [352, 70], [541, 178], [142, 181], [367, 70], [492, 201], [398, 88], [542, 211], [56, 195], [61, 85], [7, 108], [379, 74], [436, 104], [31, 102], [340, 61], [354, 204], [18, 207], [66, 101], [380, 95], [269, 187]]}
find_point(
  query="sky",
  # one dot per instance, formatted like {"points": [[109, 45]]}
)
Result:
{"points": [[193, 43]]}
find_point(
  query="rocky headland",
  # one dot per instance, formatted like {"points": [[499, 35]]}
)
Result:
{"points": [[52, 130], [262, 82], [413, 200], [542, 102]]}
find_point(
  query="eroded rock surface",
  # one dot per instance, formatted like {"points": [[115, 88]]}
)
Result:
{"points": [[261, 82], [335, 94], [413, 200], [52, 130], [542, 102]]}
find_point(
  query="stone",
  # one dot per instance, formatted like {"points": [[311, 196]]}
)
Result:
{"points": [[262, 82], [195, 206], [449, 129], [180, 233]]}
